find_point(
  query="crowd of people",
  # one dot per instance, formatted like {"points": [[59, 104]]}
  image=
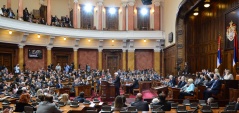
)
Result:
{"points": [[41, 83], [64, 21]]}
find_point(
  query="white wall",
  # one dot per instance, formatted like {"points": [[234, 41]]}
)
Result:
{"points": [[60, 8], [169, 18]]}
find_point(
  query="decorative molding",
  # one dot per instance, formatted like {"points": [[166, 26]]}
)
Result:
{"points": [[157, 49], [77, 42], [49, 47], [124, 50], [100, 49], [131, 43], [156, 2], [21, 45], [24, 37], [101, 42], [131, 2], [131, 50], [15, 25], [100, 3], [180, 46], [125, 43], [51, 40], [75, 48], [76, 1], [124, 4]]}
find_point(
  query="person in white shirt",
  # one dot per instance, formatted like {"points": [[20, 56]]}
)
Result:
{"points": [[58, 68], [228, 75], [17, 69]]}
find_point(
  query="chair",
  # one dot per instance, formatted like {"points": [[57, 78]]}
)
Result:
{"points": [[186, 102], [202, 102], [214, 105], [91, 111], [181, 109], [28, 109], [106, 108], [231, 97], [221, 93], [156, 108], [206, 109], [135, 90], [174, 105], [230, 108], [194, 96], [193, 105], [232, 103], [132, 108]]}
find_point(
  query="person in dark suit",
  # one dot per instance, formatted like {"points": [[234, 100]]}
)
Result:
{"points": [[134, 86], [186, 68], [214, 89], [140, 104], [237, 104], [80, 98], [172, 81], [166, 106], [48, 106], [117, 84], [59, 85], [182, 82], [209, 84]]}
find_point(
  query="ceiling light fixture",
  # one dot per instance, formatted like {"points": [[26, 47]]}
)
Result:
{"points": [[38, 36], [113, 40], [64, 38], [144, 40]]}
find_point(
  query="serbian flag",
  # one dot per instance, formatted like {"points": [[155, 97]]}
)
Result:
{"points": [[235, 50], [219, 59]]}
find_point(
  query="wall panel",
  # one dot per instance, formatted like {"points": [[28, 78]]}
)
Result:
{"points": [[144, 59]]}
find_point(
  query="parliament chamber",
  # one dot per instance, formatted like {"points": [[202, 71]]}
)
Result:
{"points": [[119, 56]]}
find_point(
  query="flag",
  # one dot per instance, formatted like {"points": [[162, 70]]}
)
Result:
{"points": [[219, 59], [235, 50]]}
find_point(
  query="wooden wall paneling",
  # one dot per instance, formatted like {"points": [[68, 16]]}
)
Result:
{"points": [[88, 56], [61, 54], [170, 60], [12, 50], [144, 59], [115, 56]]}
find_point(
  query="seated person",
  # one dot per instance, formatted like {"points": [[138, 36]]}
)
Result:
{"points": [[172, 81], [65, 99], [228, 75], [187, 90], [41, 97], [237, 104], [162, 101], [214, 89], [118, 104], [48, 106], [182, 82], [124, 100], [134, 86], [155, 101], [59, 85], [80, 98], [210, 100], [23, 101], [140, 104]]}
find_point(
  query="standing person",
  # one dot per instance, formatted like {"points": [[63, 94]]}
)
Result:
{"points": [[17, 69], [117, 84], [87, 68], [58, 68], [67, 68], [185, 68]]}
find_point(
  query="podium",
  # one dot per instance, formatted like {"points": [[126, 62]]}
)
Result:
{"points": [[63, 90], [107, 91], [84, 88]]}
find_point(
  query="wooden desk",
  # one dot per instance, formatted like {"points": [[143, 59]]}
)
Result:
{"points": [[173, 93], [63, 90], [82, 107], [160, 89], [201, 89], [145, 85], [107, 91], [126, 88], [84, 88]]}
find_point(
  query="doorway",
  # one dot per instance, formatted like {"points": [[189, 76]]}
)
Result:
{"points": [[112, 60], [6, 60], [62, 60]]}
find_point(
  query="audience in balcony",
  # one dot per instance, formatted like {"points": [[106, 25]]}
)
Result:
{"points": [[25, 14]]}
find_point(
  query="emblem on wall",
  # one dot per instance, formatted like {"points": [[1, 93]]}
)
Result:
{"points": [[231, 31]]}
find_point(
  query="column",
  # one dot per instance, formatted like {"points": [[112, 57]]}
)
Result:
{"points": [[49, 61], [156, 15], [124, 4], [20, 9], [20, 56], [162, 62], [48, 12], [9, 3], [131, 59], [100, 59], [99, 15], [75, 14], [124, 59], [157, 60], [131, 15], [75, 58]]}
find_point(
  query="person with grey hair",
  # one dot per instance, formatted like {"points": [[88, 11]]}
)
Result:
{"points": [[213, 89], [140, 104], [187, 90]]}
